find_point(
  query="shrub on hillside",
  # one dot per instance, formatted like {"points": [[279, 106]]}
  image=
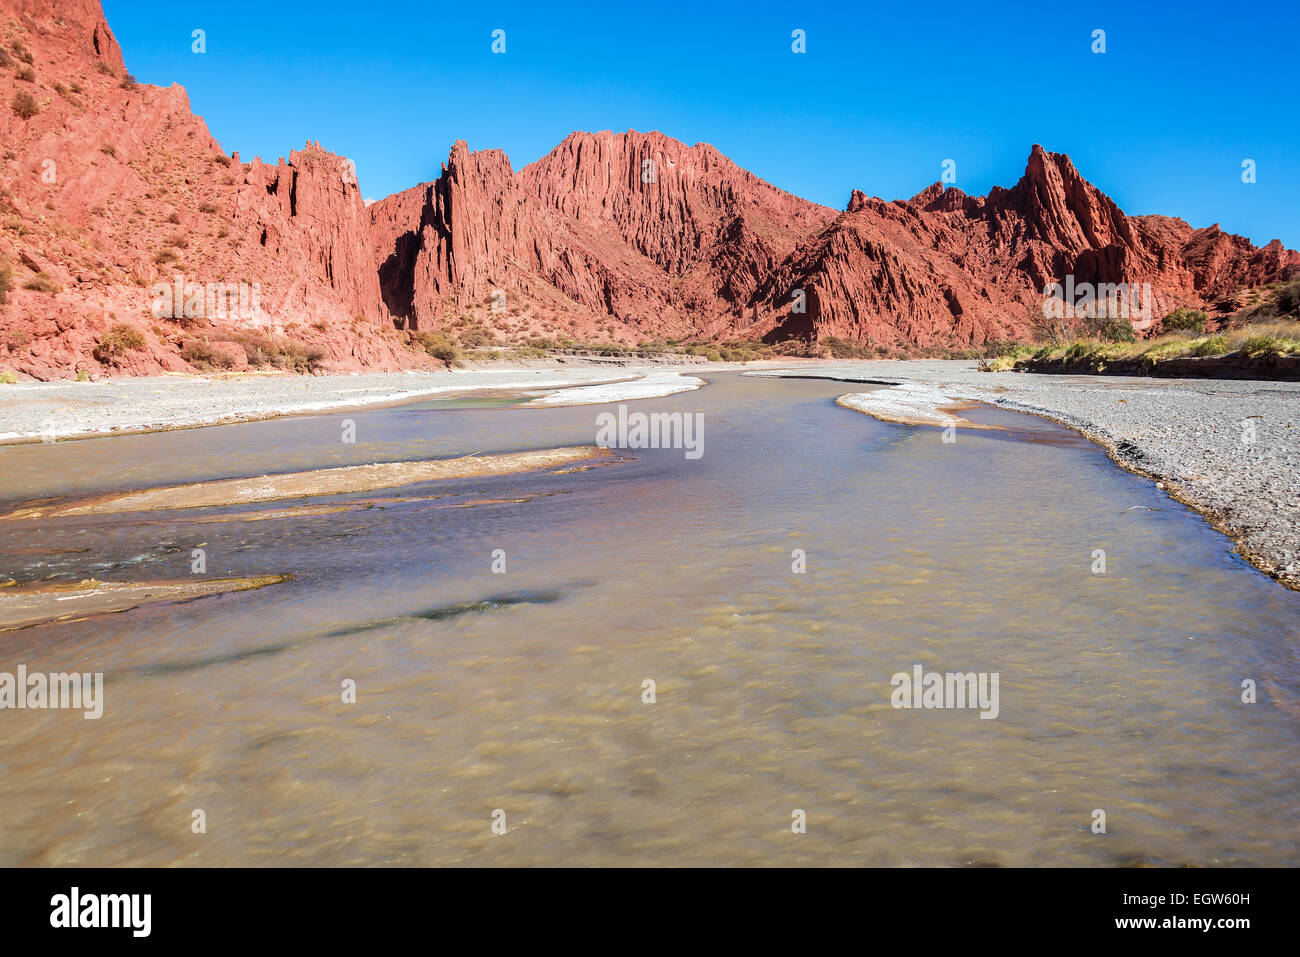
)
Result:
{"points": [[1183, 319], [1287, 299], [25, 105], [120, 339], [41, 283], [438, 345]]}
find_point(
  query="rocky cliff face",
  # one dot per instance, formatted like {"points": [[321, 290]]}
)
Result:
{"points": [[114, 197], [945, 268], [637, 227], [110, 189]]}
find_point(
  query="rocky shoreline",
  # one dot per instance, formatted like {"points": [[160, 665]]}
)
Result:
{"points": [[1228, 448]]}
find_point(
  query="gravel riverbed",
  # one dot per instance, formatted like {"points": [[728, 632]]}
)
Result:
{"points": [[1230, 449]]}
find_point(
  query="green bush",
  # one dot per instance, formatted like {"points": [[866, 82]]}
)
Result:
{"points": [[1213, 346], [8, 378], [1183, 319], [437, 345]]}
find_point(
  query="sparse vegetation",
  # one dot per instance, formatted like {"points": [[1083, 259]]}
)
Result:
{"points": [[104, 68], [839, 348], [120, 339], [25, 105], [1183, 319], [6, 280], [262, 350], [437, 345], [128, 82], [41, 283], [1287, 299]]}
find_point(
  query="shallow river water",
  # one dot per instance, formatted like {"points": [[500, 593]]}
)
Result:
{"points": [[522, 692]]}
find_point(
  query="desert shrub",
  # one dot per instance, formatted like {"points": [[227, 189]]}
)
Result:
{"points": [[222, 160], [77, 87], [201, 354], [1109, 329], [6, 281], [41, 283], [128, 82], [438, 345], [5, 59], [1183, 319], [164, 256], [1213, 346], [27, 75], [120, 339], [1270, 344], [1003, 363], [104, 68], [21, 51], [844, 349], [1287, 299], [174, 219], [25, 105], [8, 378], [288, 354], [476, 337], [207, 208]]}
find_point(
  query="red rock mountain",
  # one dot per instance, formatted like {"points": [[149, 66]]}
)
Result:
{"points": [[110, 190]]}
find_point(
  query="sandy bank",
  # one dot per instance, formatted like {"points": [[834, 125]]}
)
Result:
{"points": [[52, 411], [291, 485], [911, 404], [22, 606]]}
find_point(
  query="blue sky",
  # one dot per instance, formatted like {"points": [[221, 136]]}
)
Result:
{"points": [[884, 94]]}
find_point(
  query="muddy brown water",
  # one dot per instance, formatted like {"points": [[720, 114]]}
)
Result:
{"points": [[523, 692]]}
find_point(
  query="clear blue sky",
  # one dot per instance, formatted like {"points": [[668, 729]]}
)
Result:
{"points": [[1161, 121]]}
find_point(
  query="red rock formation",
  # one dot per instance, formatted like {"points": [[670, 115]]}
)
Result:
{"points": [[112, 187], [665, 238], [945, 268], [110, 190]]}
